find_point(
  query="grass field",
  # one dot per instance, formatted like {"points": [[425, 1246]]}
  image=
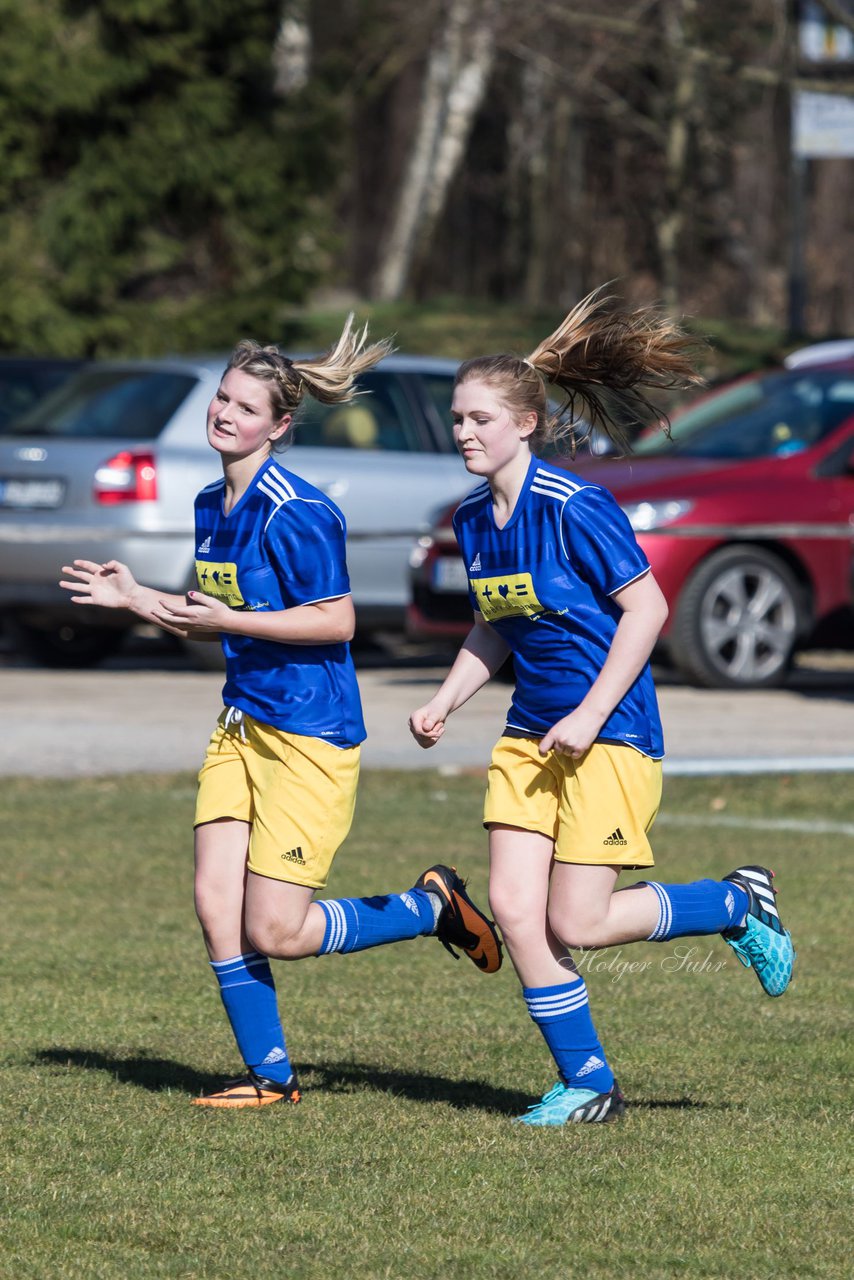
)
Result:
{"points": [[401, 1161]]}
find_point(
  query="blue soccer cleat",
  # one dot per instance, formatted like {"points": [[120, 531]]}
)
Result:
{"points": [[566, 1105], [761, 943]]}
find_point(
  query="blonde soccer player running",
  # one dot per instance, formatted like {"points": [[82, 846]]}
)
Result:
{"points": [[278, 784], [558, 580]]}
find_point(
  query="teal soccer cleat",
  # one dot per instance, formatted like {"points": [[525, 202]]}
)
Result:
{"points": [[761, 943], [565, 1105]]}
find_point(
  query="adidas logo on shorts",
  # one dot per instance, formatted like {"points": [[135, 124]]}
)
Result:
{"points": [[294, 855], [616, 837]]}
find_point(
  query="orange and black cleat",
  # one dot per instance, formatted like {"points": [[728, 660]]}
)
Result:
{"points": [[462, 924], [252, 1090]]}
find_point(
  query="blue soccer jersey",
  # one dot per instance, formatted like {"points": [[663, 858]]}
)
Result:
{"points": [[545, 583], [280, 546]]}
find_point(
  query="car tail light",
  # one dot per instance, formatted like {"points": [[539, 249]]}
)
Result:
{"points": [[129, 476]]}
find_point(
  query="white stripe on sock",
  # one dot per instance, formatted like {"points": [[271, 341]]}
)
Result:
{"points": [[337, 924], [665, 913]]}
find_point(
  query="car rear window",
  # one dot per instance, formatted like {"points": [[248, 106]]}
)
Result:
{"points": [[116, 404], [773, 416], [22, 385]]}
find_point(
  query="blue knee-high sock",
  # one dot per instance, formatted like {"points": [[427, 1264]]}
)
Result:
{"points": [[563, 1015], [355, 924], [249, 995], [689, 910]]}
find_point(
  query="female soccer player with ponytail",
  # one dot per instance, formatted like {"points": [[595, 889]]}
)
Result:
{"points": [[278, 784], [557, 578]]}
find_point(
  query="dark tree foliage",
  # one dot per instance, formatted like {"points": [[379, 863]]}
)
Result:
{"points": [[154, 192]]}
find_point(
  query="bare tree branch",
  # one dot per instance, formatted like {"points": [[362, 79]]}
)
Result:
{"points": [[728, 66]]}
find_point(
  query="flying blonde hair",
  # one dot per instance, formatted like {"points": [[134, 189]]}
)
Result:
{"points": [[602, 358], [329, 378]]}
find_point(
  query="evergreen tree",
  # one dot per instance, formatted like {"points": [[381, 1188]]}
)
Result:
{"points": [[154, 192]]}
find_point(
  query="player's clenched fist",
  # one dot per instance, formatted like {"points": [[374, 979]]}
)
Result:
{"points": [[427, 725]]}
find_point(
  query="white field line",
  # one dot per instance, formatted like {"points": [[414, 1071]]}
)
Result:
{"points": [[798, 826], [758, 764]]}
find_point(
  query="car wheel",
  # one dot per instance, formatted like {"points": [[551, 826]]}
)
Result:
{"points": [[737, 620], [65, 644]]}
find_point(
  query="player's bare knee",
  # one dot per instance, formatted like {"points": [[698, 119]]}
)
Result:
{"points": [[518, 926], [271, 939], [506, 909], [209, 906], [578, 932]]}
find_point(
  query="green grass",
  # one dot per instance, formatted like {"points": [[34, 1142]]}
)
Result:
{"points": [[401, 1161]]}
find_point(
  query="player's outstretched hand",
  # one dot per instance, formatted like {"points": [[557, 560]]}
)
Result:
{"points": [[427, 725], [110, 585]]}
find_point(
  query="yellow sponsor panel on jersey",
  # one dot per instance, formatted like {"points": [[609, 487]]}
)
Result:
{"points": [[219, 581], [506, 597]]}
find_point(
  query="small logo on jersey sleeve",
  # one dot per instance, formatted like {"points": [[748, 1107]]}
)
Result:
{"points": [[512, 596], [219, 581]]}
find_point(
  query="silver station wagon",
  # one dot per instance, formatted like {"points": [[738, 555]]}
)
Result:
{"points": [[108, 466]]}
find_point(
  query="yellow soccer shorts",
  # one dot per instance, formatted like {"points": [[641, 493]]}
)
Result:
{"points": [[297, 792], [598, 809]]}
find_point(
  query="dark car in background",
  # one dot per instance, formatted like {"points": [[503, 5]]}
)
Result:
{"points": [[746, 514], [108, 466]]}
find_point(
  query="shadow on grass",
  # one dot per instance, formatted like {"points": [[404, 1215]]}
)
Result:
{"points": [[159, 1075], [162, 1075], [464, 1095]]}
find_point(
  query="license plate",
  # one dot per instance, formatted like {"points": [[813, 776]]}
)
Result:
{"points": [[449, 574], [31, 494]]}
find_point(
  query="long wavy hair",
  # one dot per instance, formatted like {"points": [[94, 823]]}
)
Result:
{"points": [[603, 359]]}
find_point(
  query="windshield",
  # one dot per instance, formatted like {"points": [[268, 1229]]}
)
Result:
{"points": [[780, 414], [116, 404]]}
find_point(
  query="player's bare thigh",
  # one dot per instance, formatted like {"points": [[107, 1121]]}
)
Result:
{"points": [[240, 911], [280, 918], [585, 911]]}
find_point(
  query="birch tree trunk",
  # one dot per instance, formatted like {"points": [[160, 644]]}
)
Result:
{"points": [[458, 69], [292, 50]]}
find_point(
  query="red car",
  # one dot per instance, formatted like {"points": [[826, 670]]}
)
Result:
{"points": [[746, 514]]}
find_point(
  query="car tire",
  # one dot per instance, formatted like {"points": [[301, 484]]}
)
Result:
{"points": [[737, 620], [65, 644]]}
